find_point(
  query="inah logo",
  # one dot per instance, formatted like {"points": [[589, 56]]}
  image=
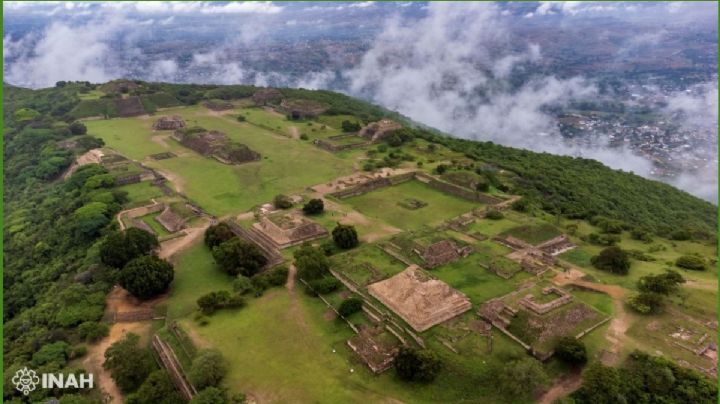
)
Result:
{"points": [[25, 380]]}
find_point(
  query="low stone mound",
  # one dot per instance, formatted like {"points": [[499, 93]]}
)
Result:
{"points": [[301, 109], [218, 105], [419, 299], [130, 106], [379, 130], [212, 143], [169, 123], [170, 220], [267, 96]]}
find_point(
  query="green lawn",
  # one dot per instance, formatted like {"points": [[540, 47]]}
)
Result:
{"points": [[154, 224], [141, 192], [534, 234], [287, 165], [383, 204]]}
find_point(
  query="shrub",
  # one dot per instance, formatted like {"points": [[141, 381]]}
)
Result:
{"points": [[350, 306], [314, 207], [612, 259], [691, 262], [345, 236], [311, 263], [304, 136], [213, 301], [218, 234], [646, 302], [208, 369], [494, 215], [237, 256], [571, 351], [147, 276], [92, 331], [282, 202], [324, 285], [78, 128], [348, 126], [241, 118]]}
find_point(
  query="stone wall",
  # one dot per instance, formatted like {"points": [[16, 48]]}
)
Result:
{"points": [[458, 191]]}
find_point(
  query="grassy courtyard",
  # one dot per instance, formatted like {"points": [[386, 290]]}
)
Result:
{"points": [[383, 204]]}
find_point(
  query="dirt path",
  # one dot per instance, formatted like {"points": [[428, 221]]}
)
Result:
{"points": [[357, 218], [175, 179], [562, 388], [292, 271], [172, 247], [120, 214], [621, 320], [161, 140], [294, 132]]}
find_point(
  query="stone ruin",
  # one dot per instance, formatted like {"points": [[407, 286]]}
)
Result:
{"points": [[497, 312], [215, 144], [378, 354], [267, 96], [532, 259], [286, 230], [301, 109], [171, 122], [541, 308], [441, 253], [557, 245], [170, 220], [218, 105], [377, 131], [419, 299]]}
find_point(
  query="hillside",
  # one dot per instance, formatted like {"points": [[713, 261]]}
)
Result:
{"points": [[467, 223]]}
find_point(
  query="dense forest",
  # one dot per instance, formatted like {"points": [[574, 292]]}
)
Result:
{"points": [[55, 281]]}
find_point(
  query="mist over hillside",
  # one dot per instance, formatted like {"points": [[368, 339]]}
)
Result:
{"points": [[508, 72]]}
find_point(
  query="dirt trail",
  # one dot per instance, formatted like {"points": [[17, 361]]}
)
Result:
{"points": [[294, 132], [357, 218], [621, 320], [120, 214], [176, 180], [172, 247], [292, 271], [562, 388], [161, 140]]}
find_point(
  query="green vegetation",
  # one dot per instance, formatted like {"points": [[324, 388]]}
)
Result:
{"points": [[146, 276], [612, 259], [237, 256], [128, 363], [345, 236], [417, 365], [381, 204]]}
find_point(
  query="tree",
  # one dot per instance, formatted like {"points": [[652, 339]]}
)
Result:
{"points": [[323, 286], [282, 202], [691, 262], [314, 207], [647, 302], [521, 377], [601, 384], [441, 168], [146, 276], [415, 365], [494, 214], [238, 256], [218, 234], [89, 219], [350, 306], [241, 118], [211, 395], [482, 186], [348, 126], [156, 389], [77, 128], [664, 284], [345, 236], [208, 369], [128, 364], [92, 331], [612, 259], [210, 302], [571, 350], [311, 263], [119, 248]]}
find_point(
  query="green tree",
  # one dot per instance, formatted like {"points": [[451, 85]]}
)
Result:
{"points": [[601, 384], [282, 202], [664, 284], [612, 259], [208, 369], [128, 364], [119, 248], [571, 350], [218, 234], [345, 236], [348, 126], [211, 395], [414, 365], [311, 263], [146, 276], [494, 214], [350, 306], [521, 378], [647, 302], [238, 256], [314, 207], [691, 262], [77, 128], [156, 389], [89, 219], [92, 331]]}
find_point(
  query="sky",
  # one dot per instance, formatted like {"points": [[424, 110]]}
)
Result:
{"points": [[444, 64]]}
